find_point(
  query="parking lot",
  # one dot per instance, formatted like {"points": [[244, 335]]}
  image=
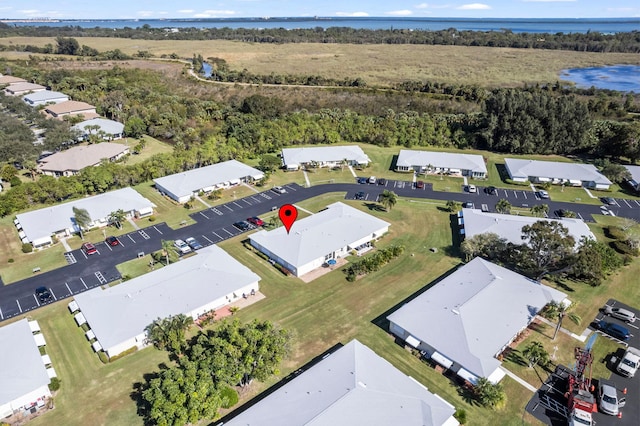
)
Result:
{"points": [[550, 398]]}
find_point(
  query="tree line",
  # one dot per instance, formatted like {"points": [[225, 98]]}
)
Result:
{"points": [[591, 41]]}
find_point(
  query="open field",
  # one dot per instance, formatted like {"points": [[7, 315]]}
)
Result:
{"points": [[153, 147], [380, 65]]}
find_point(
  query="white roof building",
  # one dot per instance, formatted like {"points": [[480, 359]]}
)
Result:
{"points": [[111, 129], [192, 286], [468, 318], [182, 186], [39, 225], [324, 156], [45, 97], [471, 165], [351, 386], [69, 162], [573, 174], [71, 108], [329, 234], [510, 227], [634, 182], [23, 377]]}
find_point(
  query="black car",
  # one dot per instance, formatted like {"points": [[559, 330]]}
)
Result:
{"points": [[468, 205], [613, 330], [608, 201], [242, 225], [44, 295], [359, 195], [382, 181], [491, 190], [363, 180]]}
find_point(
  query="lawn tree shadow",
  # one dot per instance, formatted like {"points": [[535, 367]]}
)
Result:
{"points": [[394, 162], [467, 393], [540, 329], [375, 207], [142, 407], [502, 172], [514, 356]]}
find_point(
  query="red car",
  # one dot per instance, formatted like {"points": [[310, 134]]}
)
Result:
{"points": [[256, 221], [89, 248], [112, 241], [419, 184]]}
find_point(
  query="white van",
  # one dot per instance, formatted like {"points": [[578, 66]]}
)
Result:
{"points": [[629, 363]]}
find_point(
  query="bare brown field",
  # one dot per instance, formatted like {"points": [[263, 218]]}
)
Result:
{"points": [[382, 65]]}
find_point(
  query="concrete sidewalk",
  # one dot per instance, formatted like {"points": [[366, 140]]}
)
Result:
{"points": [[519, 380]]}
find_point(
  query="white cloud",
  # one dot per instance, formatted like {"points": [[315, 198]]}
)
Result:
{"points": [[146, 13], [404, 12], [214, 13], [29, 11], [474, 6], [353, 14], [186, 11], [421, 6]]}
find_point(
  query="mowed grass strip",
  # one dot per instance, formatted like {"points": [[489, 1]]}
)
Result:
{"points": [[377, 64]]}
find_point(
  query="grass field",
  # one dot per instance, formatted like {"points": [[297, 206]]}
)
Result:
{"points": [[153, 146], [380, 65]]}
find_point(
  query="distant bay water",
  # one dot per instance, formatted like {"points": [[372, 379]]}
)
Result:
{"points": [[607, 26]]}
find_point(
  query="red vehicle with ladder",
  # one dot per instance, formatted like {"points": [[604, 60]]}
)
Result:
{"points": [[581, 402]]}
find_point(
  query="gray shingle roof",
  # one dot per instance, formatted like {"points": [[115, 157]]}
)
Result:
{"points": [[320, 234], [185, 183], [555, 170], [22, 368], [110, 127], [43, 222], [635, 172], [44, 96], [297, 156], [510, 226], [473, 162], [122, 312], [78, 157], [352, 386], [472, 313]]}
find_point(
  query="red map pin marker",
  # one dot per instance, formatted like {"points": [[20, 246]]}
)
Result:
{"points": [[288, 214]]}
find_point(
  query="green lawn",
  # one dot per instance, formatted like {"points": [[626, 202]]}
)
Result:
{"points": [[166, 210], [153, 146]]}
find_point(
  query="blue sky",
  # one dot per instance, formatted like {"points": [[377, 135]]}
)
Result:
{"points": [[123, 9]]}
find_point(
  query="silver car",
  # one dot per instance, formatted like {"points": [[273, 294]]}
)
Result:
{"points": [[608, 399], [620, 313]]}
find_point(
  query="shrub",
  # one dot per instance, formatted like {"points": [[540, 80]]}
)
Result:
{"points": [[11, 260], [461, 416], [27, 248], [103, 357], [615, 232], [54, 385], [623, 247], [229, 397], [152, 218], [123, 354], [15, 181]]}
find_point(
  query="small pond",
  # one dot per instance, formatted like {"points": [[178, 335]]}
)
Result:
{"points": [[623, 78], [206, 69]]}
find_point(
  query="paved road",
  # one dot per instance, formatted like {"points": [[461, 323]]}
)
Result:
{"points": [[216, 224]]}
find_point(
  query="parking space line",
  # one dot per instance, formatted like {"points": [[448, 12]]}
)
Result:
{"points": [[257, 200], [205, 216], [262, 194], [291, 188], [159, 232], [237, 204], [216, 211], [70, 292], [515, 194], [213, 232], [246, 201], [19, 307], [626, 203], [36, 299], [580, 216], [53, 294], [84, 254], [525, 195], [84, 284], [108, 246], [120, 241], [227, 232], [132, 240], [205, 237], [230, 209], [638, 203], [1, 314], [505, 193]]}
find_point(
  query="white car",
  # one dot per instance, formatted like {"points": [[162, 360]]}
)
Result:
{"points": [[629, 363], [543, 194], [182, 247], [279, 189], [372, 179], [472, 188]]}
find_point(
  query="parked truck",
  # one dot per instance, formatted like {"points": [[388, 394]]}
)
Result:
{"points": [[629, 362]]}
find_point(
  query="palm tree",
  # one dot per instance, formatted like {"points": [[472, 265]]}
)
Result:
{"points": [[388, 199], [540, 210], [503, 206], [82, 218], [117, 217], [31, 167], [536, 354], [559, 311], [166, 246]]}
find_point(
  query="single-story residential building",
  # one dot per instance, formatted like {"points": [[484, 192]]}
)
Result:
{"points": [[350, 386], [69, 162], [40, 225], [324, 156], [432, 162], [573, 174], [182, 186], [466, 320], [71, 108], [22, 88], [634, 182], [330, 234], [9, 79], [24, 381], [45, 97], [109, 129], [509, 226], [193, 286]]}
